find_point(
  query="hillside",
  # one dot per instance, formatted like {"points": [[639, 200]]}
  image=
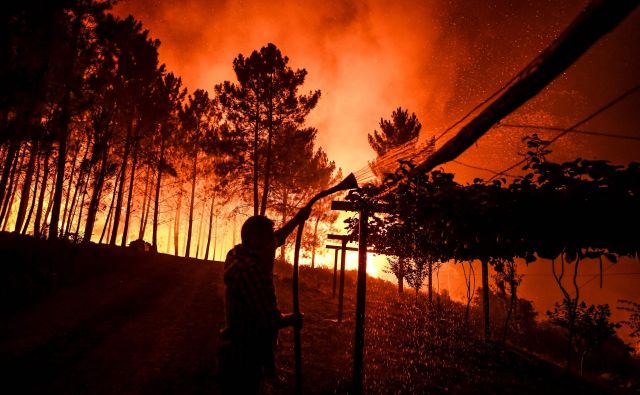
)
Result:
{"points": [[100, 320]]}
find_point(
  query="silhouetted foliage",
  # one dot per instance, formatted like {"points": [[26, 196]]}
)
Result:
{"points": [[591, 324], [401, 128], [633, 322]]}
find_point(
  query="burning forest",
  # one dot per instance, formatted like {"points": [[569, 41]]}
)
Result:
{"points": [[347, 197]]}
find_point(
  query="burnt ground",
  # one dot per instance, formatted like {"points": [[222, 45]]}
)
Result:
{"points": [[98, 320]]}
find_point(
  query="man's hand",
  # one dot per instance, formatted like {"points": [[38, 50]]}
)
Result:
{"points": [[293, 320], [299, 218]]}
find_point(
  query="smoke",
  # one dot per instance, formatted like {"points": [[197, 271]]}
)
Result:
{"points": [[367, 58], [437, 58]]}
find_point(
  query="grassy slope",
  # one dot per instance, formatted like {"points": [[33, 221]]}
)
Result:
{"points": [[109, 320]]}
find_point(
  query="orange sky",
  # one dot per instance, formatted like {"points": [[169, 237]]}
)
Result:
{"points": [[437, 58]]}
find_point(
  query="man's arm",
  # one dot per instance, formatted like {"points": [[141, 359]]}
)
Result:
{"points": [[282, 233]]}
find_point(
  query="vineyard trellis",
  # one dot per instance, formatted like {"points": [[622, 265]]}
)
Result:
{"points": [[476, 221]]}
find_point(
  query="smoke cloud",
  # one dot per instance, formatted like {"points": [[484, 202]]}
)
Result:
{"points": [[437, 58]]}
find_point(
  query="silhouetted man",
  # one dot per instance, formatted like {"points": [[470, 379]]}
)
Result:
{"points": [[246, 353]]}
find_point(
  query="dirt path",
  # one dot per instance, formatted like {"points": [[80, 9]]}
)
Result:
{"points": [[134, 331]]}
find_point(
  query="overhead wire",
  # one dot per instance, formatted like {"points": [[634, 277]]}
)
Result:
{"points": [[565, 131], [481, 168], [575, 131]]}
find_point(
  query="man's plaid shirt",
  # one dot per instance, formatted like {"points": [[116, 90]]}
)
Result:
{"points": [[251, 308]]}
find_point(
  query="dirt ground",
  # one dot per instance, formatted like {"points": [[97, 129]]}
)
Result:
{"points": [[147, 328], [113, 321]]}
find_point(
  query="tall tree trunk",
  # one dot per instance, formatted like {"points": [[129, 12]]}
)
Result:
{"points": [[315, 239], [401, 263], [204, 205], [176, 226], [123, 173], [485, 299], [234, 229], [267, 166], [154, 239], [65, 211], [94, 202], [430, 283], [65, 122], [143, 213], [5, 214], [80, 184], [37, 225], [215, 238], [285, 199], [147, 209], [169, 233], [59, 183], [206, 251], [36, 179], [26, 188], [193, 198], [106, 229], [84, 195], [49, 205], [132, 177], [9, 158], [255, 159]]}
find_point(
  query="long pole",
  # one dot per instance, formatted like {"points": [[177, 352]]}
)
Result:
{"points": [[348, 183], [358, 352], [297, 348], [335, 272], [343, 256]]}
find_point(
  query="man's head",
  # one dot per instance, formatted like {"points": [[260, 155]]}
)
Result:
{"points": [[258, 236]]}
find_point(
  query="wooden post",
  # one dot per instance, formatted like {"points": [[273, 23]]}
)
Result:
{"points": [[343, 257], [297, 342], [358, 352], [335, 272], [361, 290], [344, 239], [344, 249]]}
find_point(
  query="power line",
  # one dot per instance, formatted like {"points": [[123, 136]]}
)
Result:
{"points": [[597, 275], [581, 122], [587, 274], [576, 131], [482, 168]]}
